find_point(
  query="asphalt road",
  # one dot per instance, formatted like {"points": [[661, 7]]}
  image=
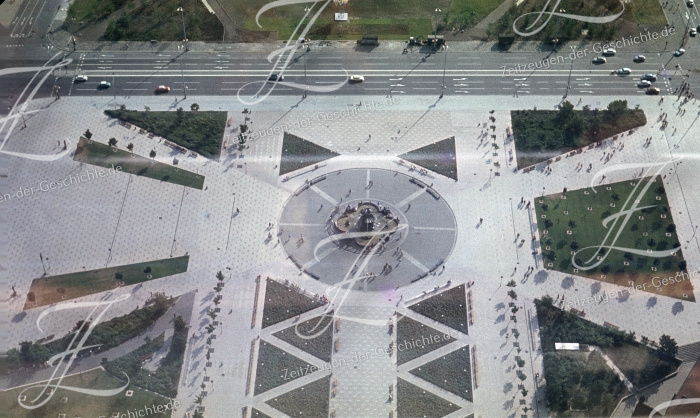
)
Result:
{"points": [[415, 73]]}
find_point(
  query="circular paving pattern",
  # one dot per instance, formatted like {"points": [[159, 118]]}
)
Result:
{"points": [[375, 229]]}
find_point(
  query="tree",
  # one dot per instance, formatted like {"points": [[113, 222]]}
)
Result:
{"points": [[211, 314], [180, 324], [130, 147], [152, 154], [521, 375], [617, 107], [194, 107], [122, 107], [180, 113], [112, 142], [198, 414], [88, 134], [31, 297], [218, 287], [667, 347], [511, 283], [521, 363], [210, 328], [198, 400], [524, 392], [220, 276], [566, 110], [118, 276], [514, 310], [512, 294]]}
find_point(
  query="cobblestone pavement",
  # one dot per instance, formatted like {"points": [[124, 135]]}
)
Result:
{"points": [[123, 219]]}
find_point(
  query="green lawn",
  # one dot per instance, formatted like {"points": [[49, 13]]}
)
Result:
{"points": [[102, 155], [298, 153], [414, 339], [320, 345], [54, 289], [198, 131], [277, 367], [138, 20], [463, 14], [440, 157], [584, 381], [75, 404], [576, 222], [448, 307], [282, 302], [390, 19], [452, 372], [544, 134], [310, 400], [413, 401], [642, 12]]}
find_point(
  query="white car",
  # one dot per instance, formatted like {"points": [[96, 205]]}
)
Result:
{"points": [[599, 60], [644, 83], [609, 52], [104, 85], [679, 52], [691, 3], [80, 78], [357, 78], [624, 71], [693, 32]]}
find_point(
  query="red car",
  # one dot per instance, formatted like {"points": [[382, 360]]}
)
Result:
{"points": [[162, 89], [653, 90]]}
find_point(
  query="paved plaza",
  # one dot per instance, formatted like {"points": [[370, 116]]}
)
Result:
{"points": [[248, 221]]}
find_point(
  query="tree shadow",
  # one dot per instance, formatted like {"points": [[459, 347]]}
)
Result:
{"points": [[19, 317], [541, 277], [567, 282], [595, 288], [500, 318], [500, 306], [651, 302], [507, 387], [677, 308]]}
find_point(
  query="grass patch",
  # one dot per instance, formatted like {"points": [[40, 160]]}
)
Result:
{"points": [[440, 157], [102, 155], [310, 400], [320, 345], [413, 401], [448, 308], [166, 378], [648, 229], [54, 289], [644, 12], [198, 131], [452, 372], [107, 334], [139, 20], [415, 339], [391, 19], [277, 367], [299, 153], [83, 405], [582, 381], [543, 134], [282, 303], [464, 14]]}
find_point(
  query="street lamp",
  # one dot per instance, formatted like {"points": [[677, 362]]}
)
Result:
{"points": [[184, 33], [436, 20]]}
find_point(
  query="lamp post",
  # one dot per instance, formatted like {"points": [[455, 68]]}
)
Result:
{"points": [[184, 32], [24, 122], [436, 20]]}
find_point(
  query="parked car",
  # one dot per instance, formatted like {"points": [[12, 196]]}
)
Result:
{"points": [[639, 58], [609, 52], [276, 77], [649, 77], [679, 52], [653, 90], [599, 60], [104, 85], [693, 32], [80, 78], [623, 71], [357, 78], [690, 3], [644, 83], [162, 89]]}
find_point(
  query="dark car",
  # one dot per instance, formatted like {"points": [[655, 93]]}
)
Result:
{"points": [[649, 77], [276, 77]]}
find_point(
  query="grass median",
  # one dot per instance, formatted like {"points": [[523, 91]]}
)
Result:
{"points": [[53, 289], [102, 155]]}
